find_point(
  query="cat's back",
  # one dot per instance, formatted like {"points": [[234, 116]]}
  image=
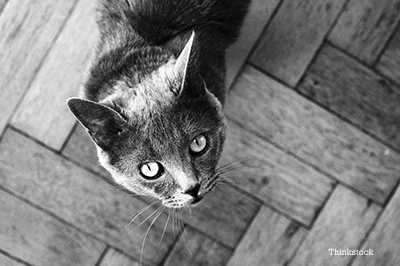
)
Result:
{"points": [[157, 21], [139, 36]]}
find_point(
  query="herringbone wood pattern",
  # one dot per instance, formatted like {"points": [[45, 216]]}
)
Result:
{"points": [[313, 128]]}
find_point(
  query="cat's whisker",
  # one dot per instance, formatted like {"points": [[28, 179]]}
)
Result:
{"points": [[190, 212], [172, 220], [234, 165], [199, 206], [160, 211], [148, 217], [207, 205], [226, 180], [186, 243], [219, 188], [177, 212], [174, 226], [182, 224], [231, 169], [228, 164], [247, 171], [242, 160], [221, 184], [138, 214], [165, 227], [178, 224], [231, 166]]}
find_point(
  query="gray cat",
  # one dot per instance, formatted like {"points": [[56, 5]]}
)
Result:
{"points": [[154, 96]]}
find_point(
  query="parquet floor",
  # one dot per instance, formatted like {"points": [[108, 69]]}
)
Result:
{"points": [[314, 121]]}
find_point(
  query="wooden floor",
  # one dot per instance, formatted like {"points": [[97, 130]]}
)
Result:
{"points": [[314, 122]]}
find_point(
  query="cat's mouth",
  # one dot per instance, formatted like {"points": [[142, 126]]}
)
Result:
{"points": [[181, 203]]}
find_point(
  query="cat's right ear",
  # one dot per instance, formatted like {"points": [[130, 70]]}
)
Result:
{"points": [[102, 122], [182, 63]]}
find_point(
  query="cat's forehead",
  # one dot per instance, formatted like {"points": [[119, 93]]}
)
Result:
{"points": [[152, 142], [167, 129], [153, 94], [172, 130]]}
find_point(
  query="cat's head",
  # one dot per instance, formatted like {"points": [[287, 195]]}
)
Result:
{"points": [[163, 137]]}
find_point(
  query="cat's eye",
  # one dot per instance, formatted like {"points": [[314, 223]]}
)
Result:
{"points": [[151, 170], [198, 144]]}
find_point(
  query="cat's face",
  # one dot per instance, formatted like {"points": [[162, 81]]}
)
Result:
{"points": [[162, 138], [171, 156]]}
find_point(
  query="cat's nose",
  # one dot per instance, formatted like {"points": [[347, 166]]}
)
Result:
{"points": [[193, 190]]}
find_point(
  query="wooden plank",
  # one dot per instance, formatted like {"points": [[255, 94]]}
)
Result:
{"points": [[6, 261], [294, 36], [259, 13], [311, 133], [225, 216], [40, 239], [28, 29], [34, 173], [58, 79], [360, 95], [365, 26], [82, 150], [2, 4], [195, 249], [385, 238], [270, 240], [342, 224], [115, 258], [273, 176], [389, 63]]}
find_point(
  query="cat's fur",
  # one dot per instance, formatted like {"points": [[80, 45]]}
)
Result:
{"points": [[156, 85]]}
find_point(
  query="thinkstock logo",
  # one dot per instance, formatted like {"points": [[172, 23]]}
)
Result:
{"points": [[350, 252]]}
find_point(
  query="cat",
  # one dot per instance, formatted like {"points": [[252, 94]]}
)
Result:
{"points": [[154, 96]]}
